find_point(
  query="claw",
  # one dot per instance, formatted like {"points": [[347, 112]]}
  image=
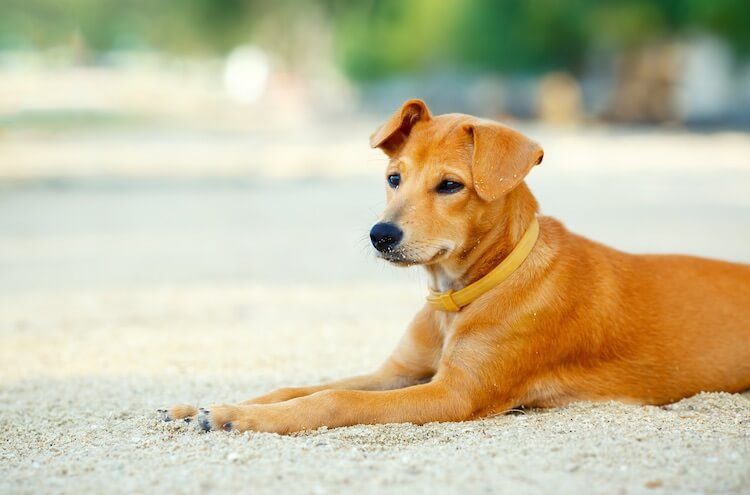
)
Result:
{"points": [[205, 424], [203, 420]]}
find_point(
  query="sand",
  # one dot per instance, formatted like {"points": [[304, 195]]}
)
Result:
{"points": [[84, 371]]}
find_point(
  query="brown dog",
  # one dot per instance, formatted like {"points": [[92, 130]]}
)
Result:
{"points": [[549, 317]]}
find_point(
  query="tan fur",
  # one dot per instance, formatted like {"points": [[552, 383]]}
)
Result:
{"points": [[577, 320]]}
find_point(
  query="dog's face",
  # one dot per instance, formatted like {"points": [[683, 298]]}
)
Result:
{"points": [[445, 182]]}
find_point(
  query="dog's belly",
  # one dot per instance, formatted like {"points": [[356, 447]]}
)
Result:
{"points": [[548, 392], [551, 393]]}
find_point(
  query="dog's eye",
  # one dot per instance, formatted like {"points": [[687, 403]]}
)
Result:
{"points": [[449, 187], [394, 180]]}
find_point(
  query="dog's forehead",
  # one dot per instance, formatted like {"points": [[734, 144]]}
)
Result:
{"points": [[441, 140]]}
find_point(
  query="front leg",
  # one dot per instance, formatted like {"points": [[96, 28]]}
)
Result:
{"points": [[387, 378], [477, 376], [445, 399]]}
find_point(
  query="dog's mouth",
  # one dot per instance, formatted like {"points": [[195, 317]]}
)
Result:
{"points": [[414, 255]]}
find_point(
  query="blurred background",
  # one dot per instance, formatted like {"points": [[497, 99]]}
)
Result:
{"points": [[186, 191], [209, 141]]}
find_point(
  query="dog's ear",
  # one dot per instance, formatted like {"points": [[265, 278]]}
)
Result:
{"points": [[502, 158], [390, 136]]}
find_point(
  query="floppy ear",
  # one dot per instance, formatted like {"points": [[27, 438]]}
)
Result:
{"points": [[502, 158], [390, 136]]}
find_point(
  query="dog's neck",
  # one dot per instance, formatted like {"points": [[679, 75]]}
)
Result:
{"points": [[490, 246]]}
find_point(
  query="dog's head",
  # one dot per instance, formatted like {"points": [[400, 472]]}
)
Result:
{"points": [[446, 181]]}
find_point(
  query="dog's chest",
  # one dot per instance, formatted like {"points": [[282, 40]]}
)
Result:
{"points": [[446, 325]]}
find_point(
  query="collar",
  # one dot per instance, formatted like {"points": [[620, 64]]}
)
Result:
{"points": [[455, 300]]}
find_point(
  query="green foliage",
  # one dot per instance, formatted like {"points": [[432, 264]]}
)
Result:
{"points": [[377, 38], [729, 18], [380, 38], [187, 26]]}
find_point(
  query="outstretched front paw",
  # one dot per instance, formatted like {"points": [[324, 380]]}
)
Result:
{"points": [[181, 411], [269, 418], [217, 417], [272, 418]]}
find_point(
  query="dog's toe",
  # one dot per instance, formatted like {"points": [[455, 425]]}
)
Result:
{"points": [[163, 415], [203, 420], [207, 421]]}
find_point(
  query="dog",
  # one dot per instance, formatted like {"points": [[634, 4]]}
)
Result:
{"points": [[521, 311]]}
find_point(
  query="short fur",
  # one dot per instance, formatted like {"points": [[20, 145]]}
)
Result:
{"points": [[577, 320]]}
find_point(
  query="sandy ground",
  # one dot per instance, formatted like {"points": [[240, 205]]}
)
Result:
{"points": [[124, 292], [80, 386]]}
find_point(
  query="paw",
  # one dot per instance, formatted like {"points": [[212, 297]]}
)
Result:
{"points": [[215, 418], [180, 411], [270, 418]]}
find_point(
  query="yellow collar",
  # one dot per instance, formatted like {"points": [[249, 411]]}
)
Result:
{"points": [[455, 300]]}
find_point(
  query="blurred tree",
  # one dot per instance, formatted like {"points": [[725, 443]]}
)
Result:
{"points": [[377, 38]]}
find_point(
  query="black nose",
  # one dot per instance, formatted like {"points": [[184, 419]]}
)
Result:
{"points": [[385, 236]]}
